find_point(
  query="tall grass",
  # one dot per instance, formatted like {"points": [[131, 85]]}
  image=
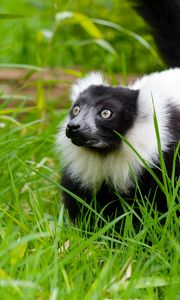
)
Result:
{"points": [[44, 256]]}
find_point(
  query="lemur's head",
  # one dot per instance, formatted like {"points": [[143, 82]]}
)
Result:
{"points": [[98, 111]]}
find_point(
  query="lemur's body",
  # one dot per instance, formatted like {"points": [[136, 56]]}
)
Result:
{"points": [[96, 160]]}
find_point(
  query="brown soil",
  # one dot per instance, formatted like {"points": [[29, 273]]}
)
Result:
{"points": [[16, 84]]}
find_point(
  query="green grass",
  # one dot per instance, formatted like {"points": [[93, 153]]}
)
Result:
{"points": [[43, 256], [37, 36]]}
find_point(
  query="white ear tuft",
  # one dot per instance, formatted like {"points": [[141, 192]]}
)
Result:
{"points": [[93, 78]]}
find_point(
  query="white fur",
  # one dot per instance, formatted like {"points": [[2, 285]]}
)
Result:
{"points": [[118, 167], [93, 78]]}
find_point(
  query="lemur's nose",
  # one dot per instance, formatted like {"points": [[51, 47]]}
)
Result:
{"points": [[71, 128]]}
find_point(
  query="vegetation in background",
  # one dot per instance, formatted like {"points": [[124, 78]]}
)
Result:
{"points": [[42, 255], [28, 39]]}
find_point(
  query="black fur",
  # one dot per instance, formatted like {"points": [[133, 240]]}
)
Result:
{"points": [[122, 102], [163, 16], [110, 202], [107, 199]]}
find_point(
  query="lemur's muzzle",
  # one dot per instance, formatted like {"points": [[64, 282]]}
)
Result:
{"points": [[81, 135], [72, 128], [75, 132]]}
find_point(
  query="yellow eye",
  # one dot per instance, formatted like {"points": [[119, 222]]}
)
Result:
{"points": [[76, 110], [106, 113]]}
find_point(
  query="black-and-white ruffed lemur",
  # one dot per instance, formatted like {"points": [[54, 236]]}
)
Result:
{"points": [[96, 160]]}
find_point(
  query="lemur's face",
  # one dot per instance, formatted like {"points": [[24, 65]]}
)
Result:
{"points": [[98, 112]]}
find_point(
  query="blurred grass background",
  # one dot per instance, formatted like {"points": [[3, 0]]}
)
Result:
{"points": [[28, 39]]}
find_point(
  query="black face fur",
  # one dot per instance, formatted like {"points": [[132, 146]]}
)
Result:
{"points": [[88, 128]]}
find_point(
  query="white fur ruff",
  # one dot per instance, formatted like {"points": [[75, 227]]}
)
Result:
{"points": [[119, 167], [93, 78]]}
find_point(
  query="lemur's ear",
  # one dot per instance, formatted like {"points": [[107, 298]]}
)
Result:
{"points": [[93, 78]]}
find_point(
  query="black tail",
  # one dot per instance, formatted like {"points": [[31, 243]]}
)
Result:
{"points": [[163, 16]]}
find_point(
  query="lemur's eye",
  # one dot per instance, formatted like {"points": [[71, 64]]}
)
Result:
{"points": [[106, 113], [76, 110]]}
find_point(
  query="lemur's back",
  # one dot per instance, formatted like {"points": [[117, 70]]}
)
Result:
{"points": [[163, 16]]}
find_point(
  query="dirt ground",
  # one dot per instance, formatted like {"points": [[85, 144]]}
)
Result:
{"points": [[19, 84]]}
